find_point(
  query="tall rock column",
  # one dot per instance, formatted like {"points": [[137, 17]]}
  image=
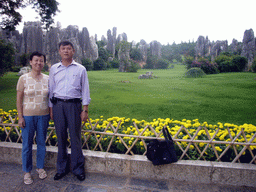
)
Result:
{"points": [[88, 45], [124, 56], [51, 46], [155, 48], [32, 37], [110, 44], [248, 48]]}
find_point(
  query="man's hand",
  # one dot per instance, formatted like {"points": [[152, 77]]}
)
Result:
{"points": [[84, 116], [51, 113]]}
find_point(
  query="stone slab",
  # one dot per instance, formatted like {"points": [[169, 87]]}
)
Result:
{"points": [[137, 166]]}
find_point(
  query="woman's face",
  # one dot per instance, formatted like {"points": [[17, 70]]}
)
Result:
{"points": [[37, 63]]}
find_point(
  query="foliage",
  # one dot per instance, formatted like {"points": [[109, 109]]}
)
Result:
{"points": [[99, 64], [45, 68], [103, 54], [233, 63], [162, 64], [202, 63], [151, 62], [135, 54], [238, 63], [133, 67], [114, 63], [188, 60], [24, 59], [88, 64], [175, 51], [15, 68], [101, 43], [11, 17], [254, 65], [223, 63], [6, 57], [194, 73]]}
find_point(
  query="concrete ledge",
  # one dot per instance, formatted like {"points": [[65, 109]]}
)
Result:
{"points": [[138, 166]]}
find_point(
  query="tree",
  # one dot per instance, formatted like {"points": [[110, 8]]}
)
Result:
{"points": [[10, 17], [6, 57]]}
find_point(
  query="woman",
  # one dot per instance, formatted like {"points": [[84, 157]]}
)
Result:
{"points": [[33, 113]]}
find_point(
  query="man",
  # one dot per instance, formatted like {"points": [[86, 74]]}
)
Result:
{"points": [[68, 84]]}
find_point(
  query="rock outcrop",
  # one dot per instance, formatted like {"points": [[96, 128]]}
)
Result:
{"points": [[143, 47], [249, 48], [155, 48], [218, 47], [203, 47], [32, 37], [124, 56]]}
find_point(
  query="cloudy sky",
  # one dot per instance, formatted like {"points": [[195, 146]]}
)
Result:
{"points": [[166, 21]]}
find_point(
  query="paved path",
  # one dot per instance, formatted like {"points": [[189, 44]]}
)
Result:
{"points": [[11, 179]]}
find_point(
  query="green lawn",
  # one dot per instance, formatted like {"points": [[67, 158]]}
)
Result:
{"points": [[226, 98]]}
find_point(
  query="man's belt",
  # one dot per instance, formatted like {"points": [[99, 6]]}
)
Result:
{"points": [[75, 100]]}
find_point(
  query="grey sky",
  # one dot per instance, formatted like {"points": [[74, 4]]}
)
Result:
{"points": [[161, 20]]}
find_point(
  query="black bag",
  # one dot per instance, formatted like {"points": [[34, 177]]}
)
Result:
{"points": [[162, 152]]}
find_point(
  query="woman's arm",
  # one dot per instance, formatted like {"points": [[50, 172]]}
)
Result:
{"points": [[19, 103]]}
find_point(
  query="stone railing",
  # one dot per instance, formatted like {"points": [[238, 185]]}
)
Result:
{"points": [[110, 139]]}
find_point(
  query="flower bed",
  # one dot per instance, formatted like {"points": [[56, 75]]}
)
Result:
{"points": [[194, 140]]}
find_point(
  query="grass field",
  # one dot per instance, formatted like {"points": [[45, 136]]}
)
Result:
{"points": [[226, 98]]}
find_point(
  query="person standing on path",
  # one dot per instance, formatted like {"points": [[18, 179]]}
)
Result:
{"points": [[33, 113], [68, 84]]}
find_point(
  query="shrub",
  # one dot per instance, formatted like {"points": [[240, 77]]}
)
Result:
{"points": [[103, 54], [6, 57], [207, 67], [162, 64], [227, 63], [188, 60], [15, 68], [114, 63], [46, 68], [151, 62], [99, 64], [24, 59], [238, 63], [224, 62], [88, 64], [135, 54], [194, 73], [254, 66], [133, 67]]}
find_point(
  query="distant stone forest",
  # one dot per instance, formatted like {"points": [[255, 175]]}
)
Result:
{"points": [[34, 38]]}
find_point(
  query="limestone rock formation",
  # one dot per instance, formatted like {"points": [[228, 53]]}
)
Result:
{"points": [[124, 56], [32, 37], [143, 47], [155, 48], [218, 47], [110, 44], [51, 46], [203, 46], [234, 46], [88, 45], [249, 47]]}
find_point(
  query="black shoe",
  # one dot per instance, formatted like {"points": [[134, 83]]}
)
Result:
{"points": [[81, 177], [58, 176]]}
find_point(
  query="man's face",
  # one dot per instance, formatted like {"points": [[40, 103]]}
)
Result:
{"points": [[66, 52], [37, 63]]}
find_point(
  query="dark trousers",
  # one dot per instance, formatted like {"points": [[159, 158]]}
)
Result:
{"points": [[66, 115]]}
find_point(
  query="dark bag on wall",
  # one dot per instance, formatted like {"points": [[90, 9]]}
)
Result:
{"points": [[162, 152]]}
